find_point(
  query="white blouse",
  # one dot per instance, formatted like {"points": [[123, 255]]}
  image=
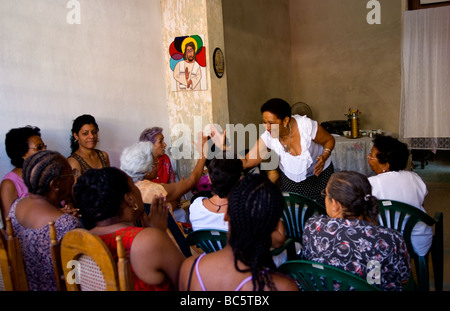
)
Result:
{"points": [[409, 188], [202, 218], [298, 168]]}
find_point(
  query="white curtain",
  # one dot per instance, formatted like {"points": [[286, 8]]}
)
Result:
{"points": [[425, 101]]}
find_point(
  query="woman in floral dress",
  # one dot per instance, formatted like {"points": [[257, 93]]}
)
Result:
{"points": [[350, 238]]}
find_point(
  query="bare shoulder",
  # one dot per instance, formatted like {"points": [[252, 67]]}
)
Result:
{"points": [[74, 163], [284, 282], [185, 271]]}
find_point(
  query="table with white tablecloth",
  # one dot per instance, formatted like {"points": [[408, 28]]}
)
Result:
{"points": [[350, 154]]}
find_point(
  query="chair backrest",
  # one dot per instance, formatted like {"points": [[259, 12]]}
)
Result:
{"points": [[209, 240], [18, 275], [5, 273], [55, 251], [298, 209], [88, 264], [313, 276], [403, 217]]}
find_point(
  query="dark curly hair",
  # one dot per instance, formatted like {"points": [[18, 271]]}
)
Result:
{"points": [[255, 206], [354, 192], [224, 173], [99, 194], [76, 127], [392, 151], [16, 143], [41, 168]]}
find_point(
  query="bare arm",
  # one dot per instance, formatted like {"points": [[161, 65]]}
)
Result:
{"points": [[278, 235], [8, 193], [327, 141], [176, 190], [154, 256]]}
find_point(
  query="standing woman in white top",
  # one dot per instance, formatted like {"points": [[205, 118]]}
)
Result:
{"points": [[388, 159], [303, 146]]}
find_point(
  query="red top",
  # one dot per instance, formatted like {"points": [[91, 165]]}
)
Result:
{"points": [[165, 171], [128, 235]]}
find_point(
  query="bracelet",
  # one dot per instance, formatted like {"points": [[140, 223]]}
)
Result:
{"points": [[327, 150]]}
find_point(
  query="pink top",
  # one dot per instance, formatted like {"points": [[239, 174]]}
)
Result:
{"points": [[22, 190], [246, 280]]}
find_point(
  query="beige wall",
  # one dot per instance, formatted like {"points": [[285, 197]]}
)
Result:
{"points": [[110, 65], [340, 61], [322, 52], [258, 44]]}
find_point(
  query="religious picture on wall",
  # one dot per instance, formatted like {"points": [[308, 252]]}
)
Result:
{"points": [[188, 63]]}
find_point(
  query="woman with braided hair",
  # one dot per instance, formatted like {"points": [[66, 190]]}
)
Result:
{"points": [[254, 211], [350, 238], [49, 179]]}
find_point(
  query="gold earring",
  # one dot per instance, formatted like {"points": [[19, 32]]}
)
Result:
{"points": [[136, 207]]}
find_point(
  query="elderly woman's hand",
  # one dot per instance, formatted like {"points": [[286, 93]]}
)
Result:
{"points": [[158, 213]]}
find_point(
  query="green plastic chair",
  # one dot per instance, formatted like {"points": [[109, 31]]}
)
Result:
{"points": [[298, 209], [403, 217], [209, 240], [314, 276]]}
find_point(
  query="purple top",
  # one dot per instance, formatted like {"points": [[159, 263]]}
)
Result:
{"points": [[22, 190], [35, 247]]}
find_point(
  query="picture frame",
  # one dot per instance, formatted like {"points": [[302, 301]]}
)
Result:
{"points": [[218, 63], [426, 4]]}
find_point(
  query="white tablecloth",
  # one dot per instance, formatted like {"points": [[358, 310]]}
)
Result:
{"points": [[350, 154]]}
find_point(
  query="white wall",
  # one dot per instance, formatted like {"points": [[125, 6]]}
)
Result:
{"points": [[111, 66]]}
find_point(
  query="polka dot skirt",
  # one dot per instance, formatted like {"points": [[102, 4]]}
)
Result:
{"points": [[310, 187]]}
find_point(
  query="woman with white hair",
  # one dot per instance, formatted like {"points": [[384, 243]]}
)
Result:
{"points": [[137, 160]]}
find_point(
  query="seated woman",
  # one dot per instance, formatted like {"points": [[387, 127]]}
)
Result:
{"points": [[165, 173], [49, 179], [110, 204], [245, 263], [20, 143], [83, 141], [208, 213], [388, 159], [349, 237], [137, 160]]}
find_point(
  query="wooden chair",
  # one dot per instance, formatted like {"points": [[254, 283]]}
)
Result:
{"points": [[88, 265], [314, 276], [403, 217], [18, 276], [55, 251], [5, 272]]}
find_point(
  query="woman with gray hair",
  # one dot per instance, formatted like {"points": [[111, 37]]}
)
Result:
{"points": [[137, 160], [165, 172]]}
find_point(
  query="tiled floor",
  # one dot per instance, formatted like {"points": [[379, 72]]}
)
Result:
{"points": [[436, 175]]}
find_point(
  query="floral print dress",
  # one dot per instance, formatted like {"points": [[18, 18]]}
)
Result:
{"points": [[35, 247], [351, 244]]}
